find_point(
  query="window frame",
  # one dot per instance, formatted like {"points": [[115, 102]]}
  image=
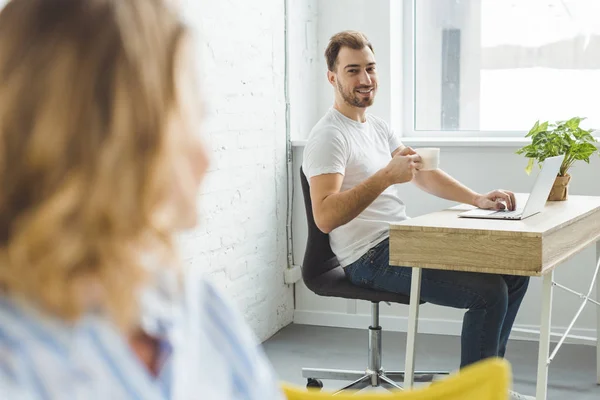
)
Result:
{"points": [[408, 79]]}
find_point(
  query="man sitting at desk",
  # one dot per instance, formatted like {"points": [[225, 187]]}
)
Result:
{"points": [[353, 160]]}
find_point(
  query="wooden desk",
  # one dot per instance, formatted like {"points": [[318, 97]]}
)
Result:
{"points": [[534, 246]]}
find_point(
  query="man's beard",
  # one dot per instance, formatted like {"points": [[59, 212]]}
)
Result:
{"points": [[351, 97]]}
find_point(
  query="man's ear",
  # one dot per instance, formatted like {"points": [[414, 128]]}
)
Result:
{"points": [[331, 77]]}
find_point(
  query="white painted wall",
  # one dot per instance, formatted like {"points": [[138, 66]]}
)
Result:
{"points": [[241, 239], [339, 15], [303, 57], [481, 168]]}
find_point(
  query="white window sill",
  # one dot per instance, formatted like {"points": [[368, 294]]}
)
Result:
{"points": [[514, 142], [466, 141], [453, 142]]}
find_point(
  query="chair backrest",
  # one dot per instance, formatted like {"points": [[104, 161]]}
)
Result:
{"points": [[318, 256], [486, 380], [321, 270]]}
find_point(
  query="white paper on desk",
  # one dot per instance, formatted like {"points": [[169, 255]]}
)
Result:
{"points": [[462, 207]]}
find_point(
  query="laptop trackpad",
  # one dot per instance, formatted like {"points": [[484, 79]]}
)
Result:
{"points": [[480, 212], [477, 212]]}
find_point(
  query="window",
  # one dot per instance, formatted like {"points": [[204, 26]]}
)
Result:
{"points": [[494, 67]]}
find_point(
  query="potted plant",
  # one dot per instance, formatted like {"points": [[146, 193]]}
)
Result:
{"points": [[554, 139]]}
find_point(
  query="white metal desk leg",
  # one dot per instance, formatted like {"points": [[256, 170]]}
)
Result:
{"points": [[544, 349], [413, 321], [598, 317]]}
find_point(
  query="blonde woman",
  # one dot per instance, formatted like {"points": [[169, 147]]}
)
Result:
{"points": [[100, 165]]}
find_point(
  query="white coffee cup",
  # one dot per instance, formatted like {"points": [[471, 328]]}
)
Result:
{"points": [[430, 157]]}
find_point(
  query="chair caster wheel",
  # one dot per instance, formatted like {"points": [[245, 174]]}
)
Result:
{"points": [[314, 384]]}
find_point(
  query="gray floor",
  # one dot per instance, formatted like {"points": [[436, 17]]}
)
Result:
{"points": [[572, 373]]}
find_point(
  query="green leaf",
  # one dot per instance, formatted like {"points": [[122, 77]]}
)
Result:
{"points": [[533, 130], [538, 140], [529, 166], [573, 123], [585, 150]]}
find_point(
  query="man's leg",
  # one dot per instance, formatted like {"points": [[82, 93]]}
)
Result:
{"points": [[517, 287], [484, 295]]}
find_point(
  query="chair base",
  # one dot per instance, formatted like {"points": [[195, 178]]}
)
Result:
{"points": [[375, 375], [363, 379]]}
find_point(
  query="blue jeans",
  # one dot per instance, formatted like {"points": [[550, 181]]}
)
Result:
{"points": [[492, 300]]}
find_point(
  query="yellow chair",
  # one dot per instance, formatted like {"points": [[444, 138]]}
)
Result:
{"points": [[486, 380]]}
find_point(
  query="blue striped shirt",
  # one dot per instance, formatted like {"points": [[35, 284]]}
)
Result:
{"points": [[206, 352]]}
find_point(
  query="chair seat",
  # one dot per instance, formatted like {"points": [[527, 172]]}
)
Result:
{"points": [[334, 283]]}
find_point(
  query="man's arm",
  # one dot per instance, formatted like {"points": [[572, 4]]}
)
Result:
{"points": [[440, 184], [332, 208]]}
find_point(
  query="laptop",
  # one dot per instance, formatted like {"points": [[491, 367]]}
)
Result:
{"points": [[536, 201]]}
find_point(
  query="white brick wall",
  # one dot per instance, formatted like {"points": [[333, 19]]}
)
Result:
{"points": [[241, 239]]}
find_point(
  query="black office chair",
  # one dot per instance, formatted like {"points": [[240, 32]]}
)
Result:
{"points": [[323, 275]]}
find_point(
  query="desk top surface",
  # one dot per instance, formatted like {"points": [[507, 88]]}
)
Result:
{"points": [[555, 215]]}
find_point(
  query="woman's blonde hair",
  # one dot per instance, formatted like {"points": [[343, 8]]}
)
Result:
{"points": [[87, 88]]}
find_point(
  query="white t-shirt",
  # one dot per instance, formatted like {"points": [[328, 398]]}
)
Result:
{"points": [[338, 144]]}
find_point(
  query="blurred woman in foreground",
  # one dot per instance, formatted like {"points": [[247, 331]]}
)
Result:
{"points": [[100, 165]]}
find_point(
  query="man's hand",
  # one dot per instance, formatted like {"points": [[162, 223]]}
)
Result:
{"points": [[406, 151], [402, 168], [496, 200]]}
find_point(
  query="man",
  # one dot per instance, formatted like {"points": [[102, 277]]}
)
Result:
{"points": [[353, 160]]}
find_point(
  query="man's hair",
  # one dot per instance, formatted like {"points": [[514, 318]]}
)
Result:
{"points": [[352, 39]]}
